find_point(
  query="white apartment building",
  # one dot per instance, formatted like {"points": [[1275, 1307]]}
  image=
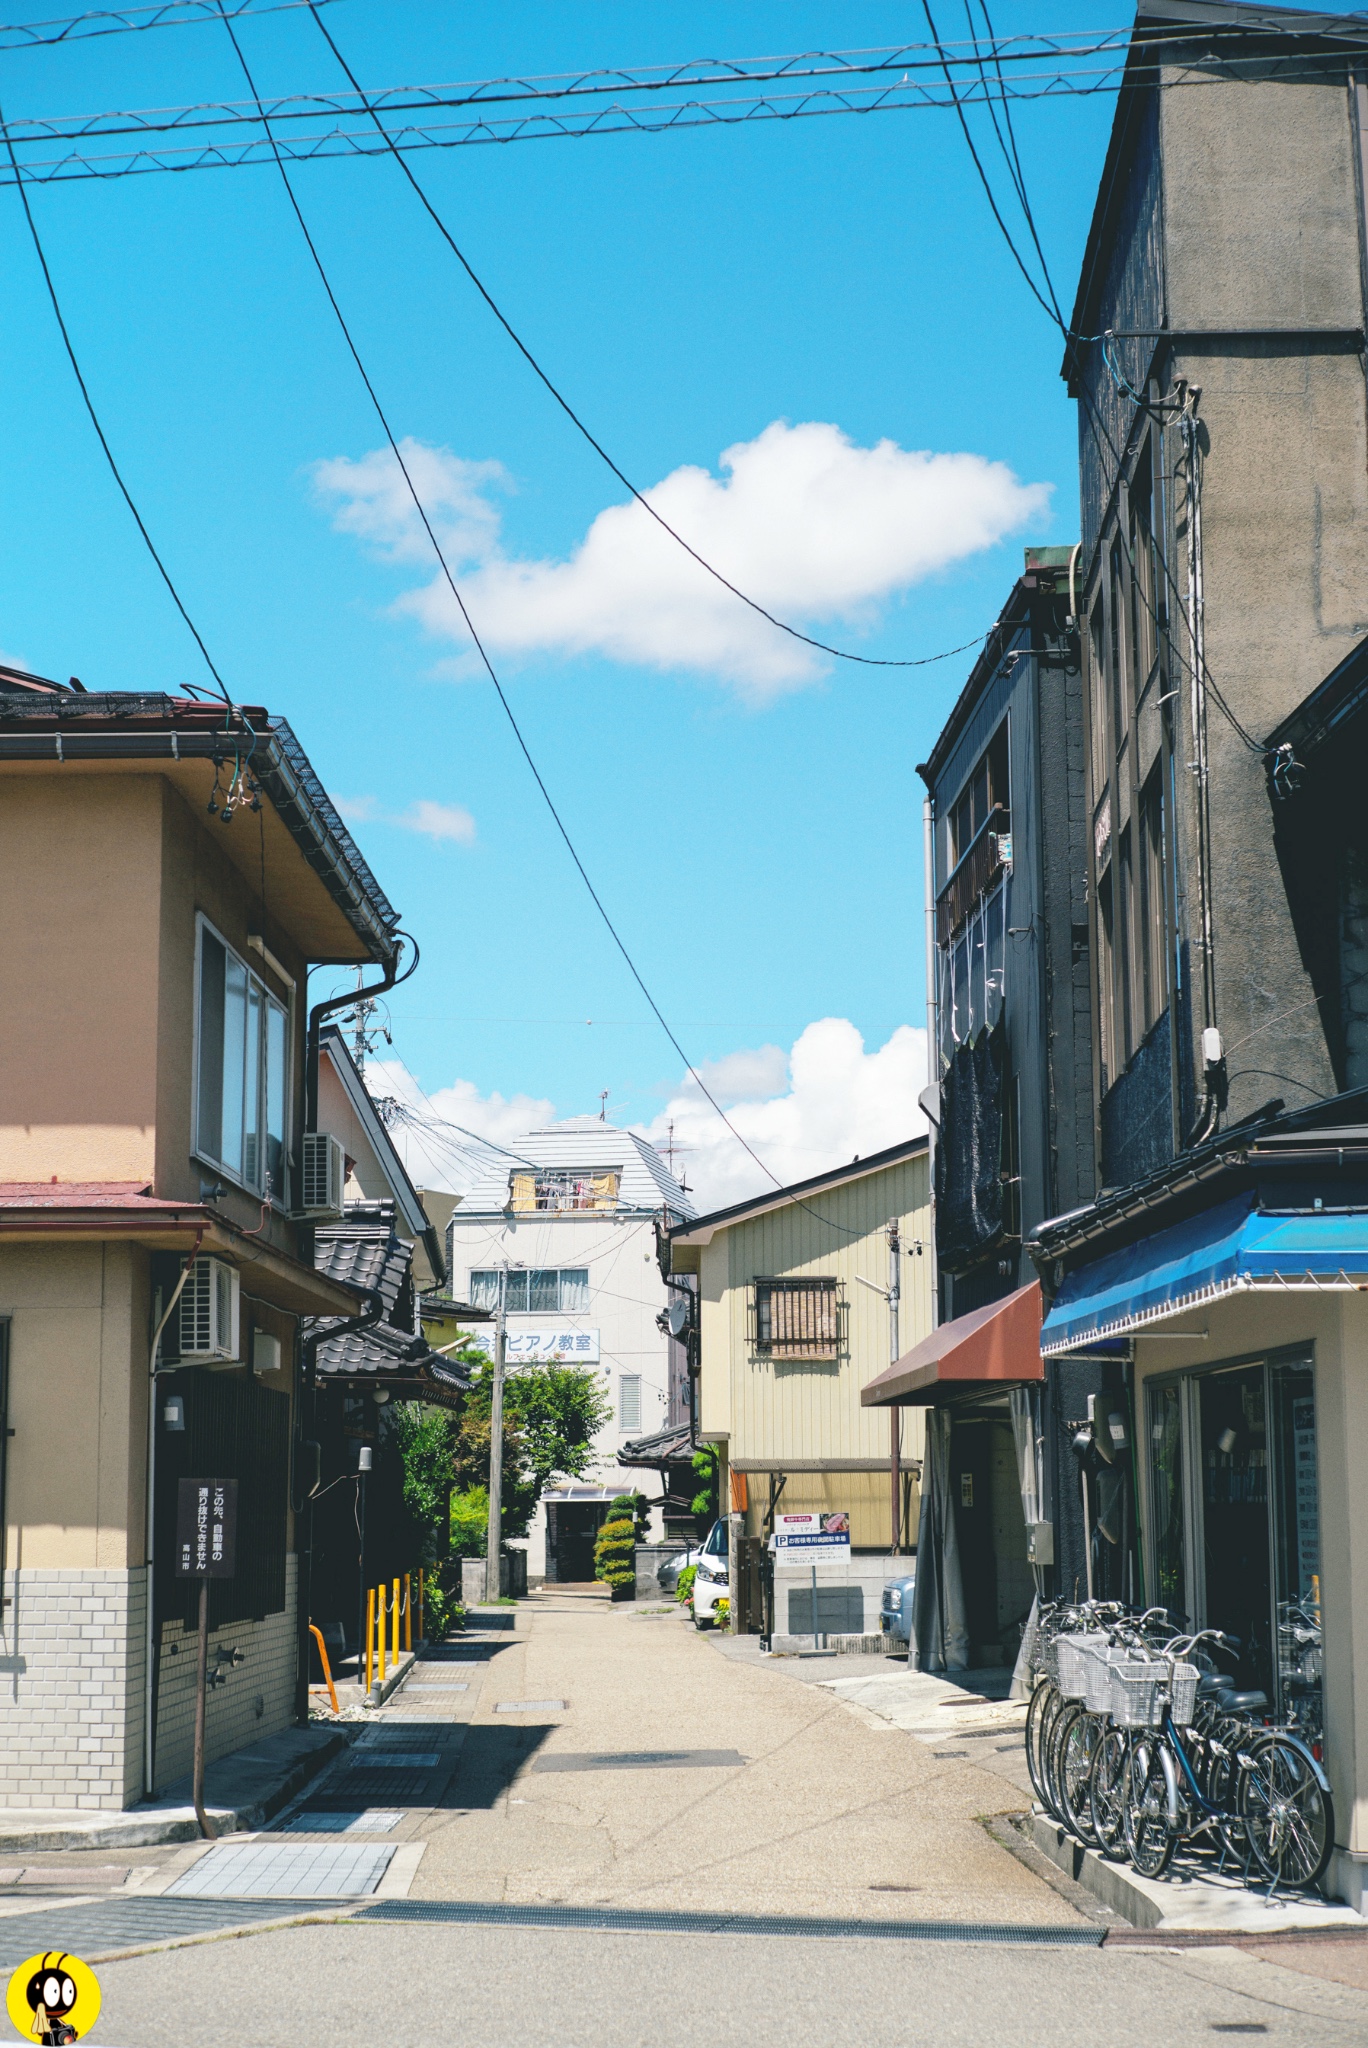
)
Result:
{"points": [[572, 1211]]}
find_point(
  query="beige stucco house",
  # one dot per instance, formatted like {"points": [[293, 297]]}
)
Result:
{"points": [[794, 1317], [172, 870]]}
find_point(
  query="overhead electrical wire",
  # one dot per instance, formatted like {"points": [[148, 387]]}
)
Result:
{"points": [[794, 633], [39, 35], [479, 645], [102, 437]]}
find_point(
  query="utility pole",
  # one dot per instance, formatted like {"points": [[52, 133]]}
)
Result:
{"points": [[494, 1540], [894, 1353]]}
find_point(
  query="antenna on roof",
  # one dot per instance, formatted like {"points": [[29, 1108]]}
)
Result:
{"points": [[604, 1093]]}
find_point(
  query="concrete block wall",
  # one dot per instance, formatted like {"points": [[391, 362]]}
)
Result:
{"points": [[71, 1688], [257, 1699]]}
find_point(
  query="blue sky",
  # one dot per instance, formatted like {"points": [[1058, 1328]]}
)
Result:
{"points": [[760, 854]]}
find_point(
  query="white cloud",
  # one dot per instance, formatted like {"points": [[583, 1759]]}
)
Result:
{"points": [[820, 531], [830, 1100], [813, 1108], [433, 820]]}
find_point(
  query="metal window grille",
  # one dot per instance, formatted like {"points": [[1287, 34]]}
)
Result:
{"points": [[796, 1318]]}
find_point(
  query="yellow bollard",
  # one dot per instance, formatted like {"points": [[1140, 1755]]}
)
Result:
{"points": [[394, 1610], [408, 1612], [420, 1603], [370, 1636], [380, 1619]]}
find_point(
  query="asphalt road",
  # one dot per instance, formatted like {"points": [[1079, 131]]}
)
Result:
{"points": [[530, 1988]]}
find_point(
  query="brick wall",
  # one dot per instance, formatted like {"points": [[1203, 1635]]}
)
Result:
{"points": [[256, 1699], [71, 1690]]}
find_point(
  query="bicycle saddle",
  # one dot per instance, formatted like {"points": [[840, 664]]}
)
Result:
{"points": [[1242, 1702], [1210, 1684]]}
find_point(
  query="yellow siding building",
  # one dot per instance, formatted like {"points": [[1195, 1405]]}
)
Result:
{"points": [[794, 1319]]}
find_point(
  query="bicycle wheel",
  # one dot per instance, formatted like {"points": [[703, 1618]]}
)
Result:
{"points": [[1289, 1820], [1145, 1828], [1075, 1745], [1069, 1711], [1040, 1716], [1107, 1790]]}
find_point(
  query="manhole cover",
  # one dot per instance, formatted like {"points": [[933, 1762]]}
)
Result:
{"points": [[285, 1870], [530, 1707], [373, 1820]]}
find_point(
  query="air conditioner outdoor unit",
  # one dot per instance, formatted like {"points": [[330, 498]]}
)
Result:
{"points": [[208, 1313], [323, 1176]]}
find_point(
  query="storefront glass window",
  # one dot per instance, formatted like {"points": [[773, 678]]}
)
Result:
{"points": [[1166, 1493], [1297, 1543], [1235, 1560]]}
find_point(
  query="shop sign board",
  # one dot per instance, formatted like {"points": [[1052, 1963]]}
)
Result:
{"points": [[811, 1536], [542, 1347]]}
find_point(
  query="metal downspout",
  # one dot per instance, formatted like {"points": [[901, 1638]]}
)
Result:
{"points": [[150, 1639]]}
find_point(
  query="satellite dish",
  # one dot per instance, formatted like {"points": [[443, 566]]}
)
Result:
{"points": [[678, 1313]]}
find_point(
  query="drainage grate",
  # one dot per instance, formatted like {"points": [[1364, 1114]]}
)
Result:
{"points": [[117, 1924], [396, 1759], [530, 1707], [361, 1784], [374, 1820], [627, 1920], [646, 1760], [285, 1870]]}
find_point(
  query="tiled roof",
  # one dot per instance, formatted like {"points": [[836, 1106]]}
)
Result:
{"points": [[579, 1143], [365, 1255], [666, 1447], [365, 1251], [84, 1194]]}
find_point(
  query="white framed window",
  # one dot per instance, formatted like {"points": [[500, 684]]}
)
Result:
{"points": [[242, 1069], [629, 1401], [539, 1291]]}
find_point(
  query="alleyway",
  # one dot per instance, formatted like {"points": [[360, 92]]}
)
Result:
{"points": [[757, 1853]]}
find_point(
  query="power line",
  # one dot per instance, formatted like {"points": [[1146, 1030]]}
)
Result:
{"points": [[807, 639], [547, 798], [115, 471], [37, 35]]}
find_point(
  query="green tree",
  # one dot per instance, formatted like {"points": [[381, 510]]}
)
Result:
{"points": [[551, 1416], [704, 1502]]}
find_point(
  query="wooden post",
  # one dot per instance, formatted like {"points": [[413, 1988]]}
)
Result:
{"points": [[206, 1826]]}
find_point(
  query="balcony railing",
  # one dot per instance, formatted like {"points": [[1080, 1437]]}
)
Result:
{"points": [[987, 855]]}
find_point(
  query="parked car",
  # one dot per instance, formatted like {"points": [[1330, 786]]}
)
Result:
{"points": [[710, 1579], [895, 1614], [667, 1578]]}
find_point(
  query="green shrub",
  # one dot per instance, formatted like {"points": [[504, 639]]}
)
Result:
{"points": [[615, 1551], [443, 1612], [685, 1583], [637, 1506]]}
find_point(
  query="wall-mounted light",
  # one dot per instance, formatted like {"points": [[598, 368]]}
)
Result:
{"points": [[363, 1458], [380, 1395], [173, 1413]]}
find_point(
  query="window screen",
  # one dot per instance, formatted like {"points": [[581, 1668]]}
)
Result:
{"points": [[551, 1290]]}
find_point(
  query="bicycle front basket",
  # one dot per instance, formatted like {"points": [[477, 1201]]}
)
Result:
{"points": [[1183, 1693], [1098, 1697], [1077, 1655], [1139, 1689]]}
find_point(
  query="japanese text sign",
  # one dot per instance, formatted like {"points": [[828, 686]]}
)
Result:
{"points": [[206, 1528]]}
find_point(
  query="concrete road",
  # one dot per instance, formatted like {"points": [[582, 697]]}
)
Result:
{"points": [[822, 1810], [523, 1988]]}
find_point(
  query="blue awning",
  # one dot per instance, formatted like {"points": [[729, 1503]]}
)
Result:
{"points": [[1226, 1250]]}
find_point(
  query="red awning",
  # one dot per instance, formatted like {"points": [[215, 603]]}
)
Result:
{"points": [[990, 1348]]}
